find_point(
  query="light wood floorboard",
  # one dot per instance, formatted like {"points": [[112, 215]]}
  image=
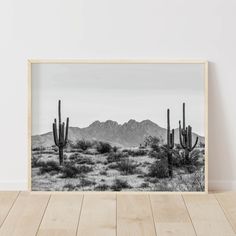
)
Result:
{"points": [[134, 216], [25, 215], [7, 200], [171, 216], [111, 214], [207, 216], [228, 203], [98, 216], [62, 215]]}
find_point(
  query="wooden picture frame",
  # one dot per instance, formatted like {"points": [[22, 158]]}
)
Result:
{"points": [[114, 62]]}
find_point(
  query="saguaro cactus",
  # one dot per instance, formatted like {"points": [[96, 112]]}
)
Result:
{"points": [[185, 138], [170, 144], [62, 137]]}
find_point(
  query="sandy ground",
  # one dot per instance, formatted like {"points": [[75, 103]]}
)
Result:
{"points": [[102, 174]]}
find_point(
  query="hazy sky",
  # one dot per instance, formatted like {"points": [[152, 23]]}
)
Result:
{"points": [[117, 92]]}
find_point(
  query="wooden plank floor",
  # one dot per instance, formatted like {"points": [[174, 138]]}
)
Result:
{"points": [[111, 214]]}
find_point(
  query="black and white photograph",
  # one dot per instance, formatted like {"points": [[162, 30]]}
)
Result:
{"points": [[100, 126]]}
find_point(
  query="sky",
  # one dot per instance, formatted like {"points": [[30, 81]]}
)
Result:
{"points": [[118, 92]]}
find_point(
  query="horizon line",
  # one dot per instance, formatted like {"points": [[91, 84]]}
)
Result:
{"points": [[120, 124]]}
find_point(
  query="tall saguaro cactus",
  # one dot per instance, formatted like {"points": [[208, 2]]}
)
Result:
{"points": [[170, 144], [61, 138], [185, 138]]}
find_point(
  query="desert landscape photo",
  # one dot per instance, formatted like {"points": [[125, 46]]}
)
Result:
{"points": [[118, 128]]}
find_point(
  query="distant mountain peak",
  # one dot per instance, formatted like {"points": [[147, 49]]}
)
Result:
{"points": [[132, 121], [95, 123], [129, 134], [148, 122], [111, 122]]}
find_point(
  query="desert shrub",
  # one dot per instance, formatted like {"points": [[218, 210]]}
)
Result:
{"points": [[195, 162], [89, 152], [74, 156], [202, 145], [100, 162], [153, 142], [144, 185], [35, 162], [127, 167], [136, 153], [194, 157], [199, 181], [75, 150], [48, 152], [49, 166], [161, 154], [165, 186], [79, 159], [158, 169], [153, 154], [85, 160], [102, 187], [38, 149], [103, 172], [83, 169], [37, 152], [115, 156], [141, 176], [86, 182], [153, 180], [190, 182], [119, 184], [82, 144], [68, 187], [191, 168], [44, 152], [145, 163], [141, 152], [69, 171], [104, 147], [115, 149], [125, 150], [113, 166], [178, 146], [178, 158]]}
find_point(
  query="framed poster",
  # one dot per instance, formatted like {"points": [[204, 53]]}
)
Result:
{"points": [[125, 126]]}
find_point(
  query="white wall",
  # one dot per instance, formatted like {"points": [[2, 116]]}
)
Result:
{"points": [[140, 29]]}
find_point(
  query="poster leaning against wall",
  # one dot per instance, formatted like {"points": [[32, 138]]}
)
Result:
{"points": [[123, 126]]}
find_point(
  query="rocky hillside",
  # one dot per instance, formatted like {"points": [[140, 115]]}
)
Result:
{"points": [[131, 133]]}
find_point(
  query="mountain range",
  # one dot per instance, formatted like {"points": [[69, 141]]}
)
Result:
{"points": [[129, 134]]}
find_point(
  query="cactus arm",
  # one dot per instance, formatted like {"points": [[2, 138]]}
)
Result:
{"points": [[190, 136], [62, 133], [171, 141], [181, 142], [59, 118], [183, 116], [180, 136], [170, 135], [67, 127], [168, 127], [172, 138], [170, 145], [54, 127], [195, 144]]}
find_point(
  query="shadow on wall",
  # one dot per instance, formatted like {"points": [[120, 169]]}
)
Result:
{"points": [[220, 162]]}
